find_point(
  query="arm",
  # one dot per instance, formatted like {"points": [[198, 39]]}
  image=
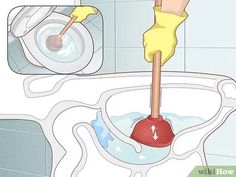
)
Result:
{"points": [[172, 6]]}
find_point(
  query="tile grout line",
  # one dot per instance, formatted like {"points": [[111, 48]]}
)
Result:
{"points": [[24, 66], [22, 172], [14, 61], [227, 156], [89, 21], [95, 26], [115, 26], [20, 131], [185, 49]]}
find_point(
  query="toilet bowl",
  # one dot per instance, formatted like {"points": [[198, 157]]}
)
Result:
{"points": [[210, 97], [189, 95], [32, 25]]}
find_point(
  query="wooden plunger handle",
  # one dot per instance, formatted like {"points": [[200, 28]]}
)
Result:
{"points": [[68, 25], [156, 85], [156, 80]]}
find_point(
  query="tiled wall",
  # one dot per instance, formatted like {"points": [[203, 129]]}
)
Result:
{"points": [[24, 151], [211, 37], [207, 40]]}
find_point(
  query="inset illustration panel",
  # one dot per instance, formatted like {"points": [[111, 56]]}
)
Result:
{"points": [[53, 40]]}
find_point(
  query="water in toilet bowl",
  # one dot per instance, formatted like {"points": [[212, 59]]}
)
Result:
{"points": [[125, 123], [102, 132], [72, 43]]}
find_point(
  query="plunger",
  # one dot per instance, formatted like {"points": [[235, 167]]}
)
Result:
{"points": [[54, 42], [154, 130]]}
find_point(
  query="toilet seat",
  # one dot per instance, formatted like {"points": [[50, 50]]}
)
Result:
{"points": [[36, 57]]}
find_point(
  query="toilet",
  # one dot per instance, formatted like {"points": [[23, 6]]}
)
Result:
{"points": [[30, 25]]}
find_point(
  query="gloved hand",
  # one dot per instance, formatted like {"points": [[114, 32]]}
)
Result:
{"points": [[82, 12], [161, 37]]}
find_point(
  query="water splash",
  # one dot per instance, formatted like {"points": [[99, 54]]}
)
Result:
{"points": [[125, 123]]}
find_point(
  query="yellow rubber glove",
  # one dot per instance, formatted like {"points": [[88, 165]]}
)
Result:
{"points": [[161, 37], [82, 12]]}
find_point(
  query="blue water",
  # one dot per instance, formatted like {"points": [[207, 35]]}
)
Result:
{"points": [[125, 124], [102, 132]]}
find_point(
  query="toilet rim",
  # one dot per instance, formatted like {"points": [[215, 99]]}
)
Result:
{"points": [[61, 68]]}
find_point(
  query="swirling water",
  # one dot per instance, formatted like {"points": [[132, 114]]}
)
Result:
{"points": [[125, 123], [72, 43]]}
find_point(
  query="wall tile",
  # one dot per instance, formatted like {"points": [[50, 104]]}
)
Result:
{"points": [[21, 125], [12, 63], [133, 19], [12, 173], [216, 160], [131, 59], [107, 10], [216, 61], [96, 32], [176, 63], [33, 69], [16, 51], [109, 64], [17, 148], [23, 149], [48, 159], [211, 23]]}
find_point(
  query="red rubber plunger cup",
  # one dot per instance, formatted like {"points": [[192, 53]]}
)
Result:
{"points": [[154, 131]]}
